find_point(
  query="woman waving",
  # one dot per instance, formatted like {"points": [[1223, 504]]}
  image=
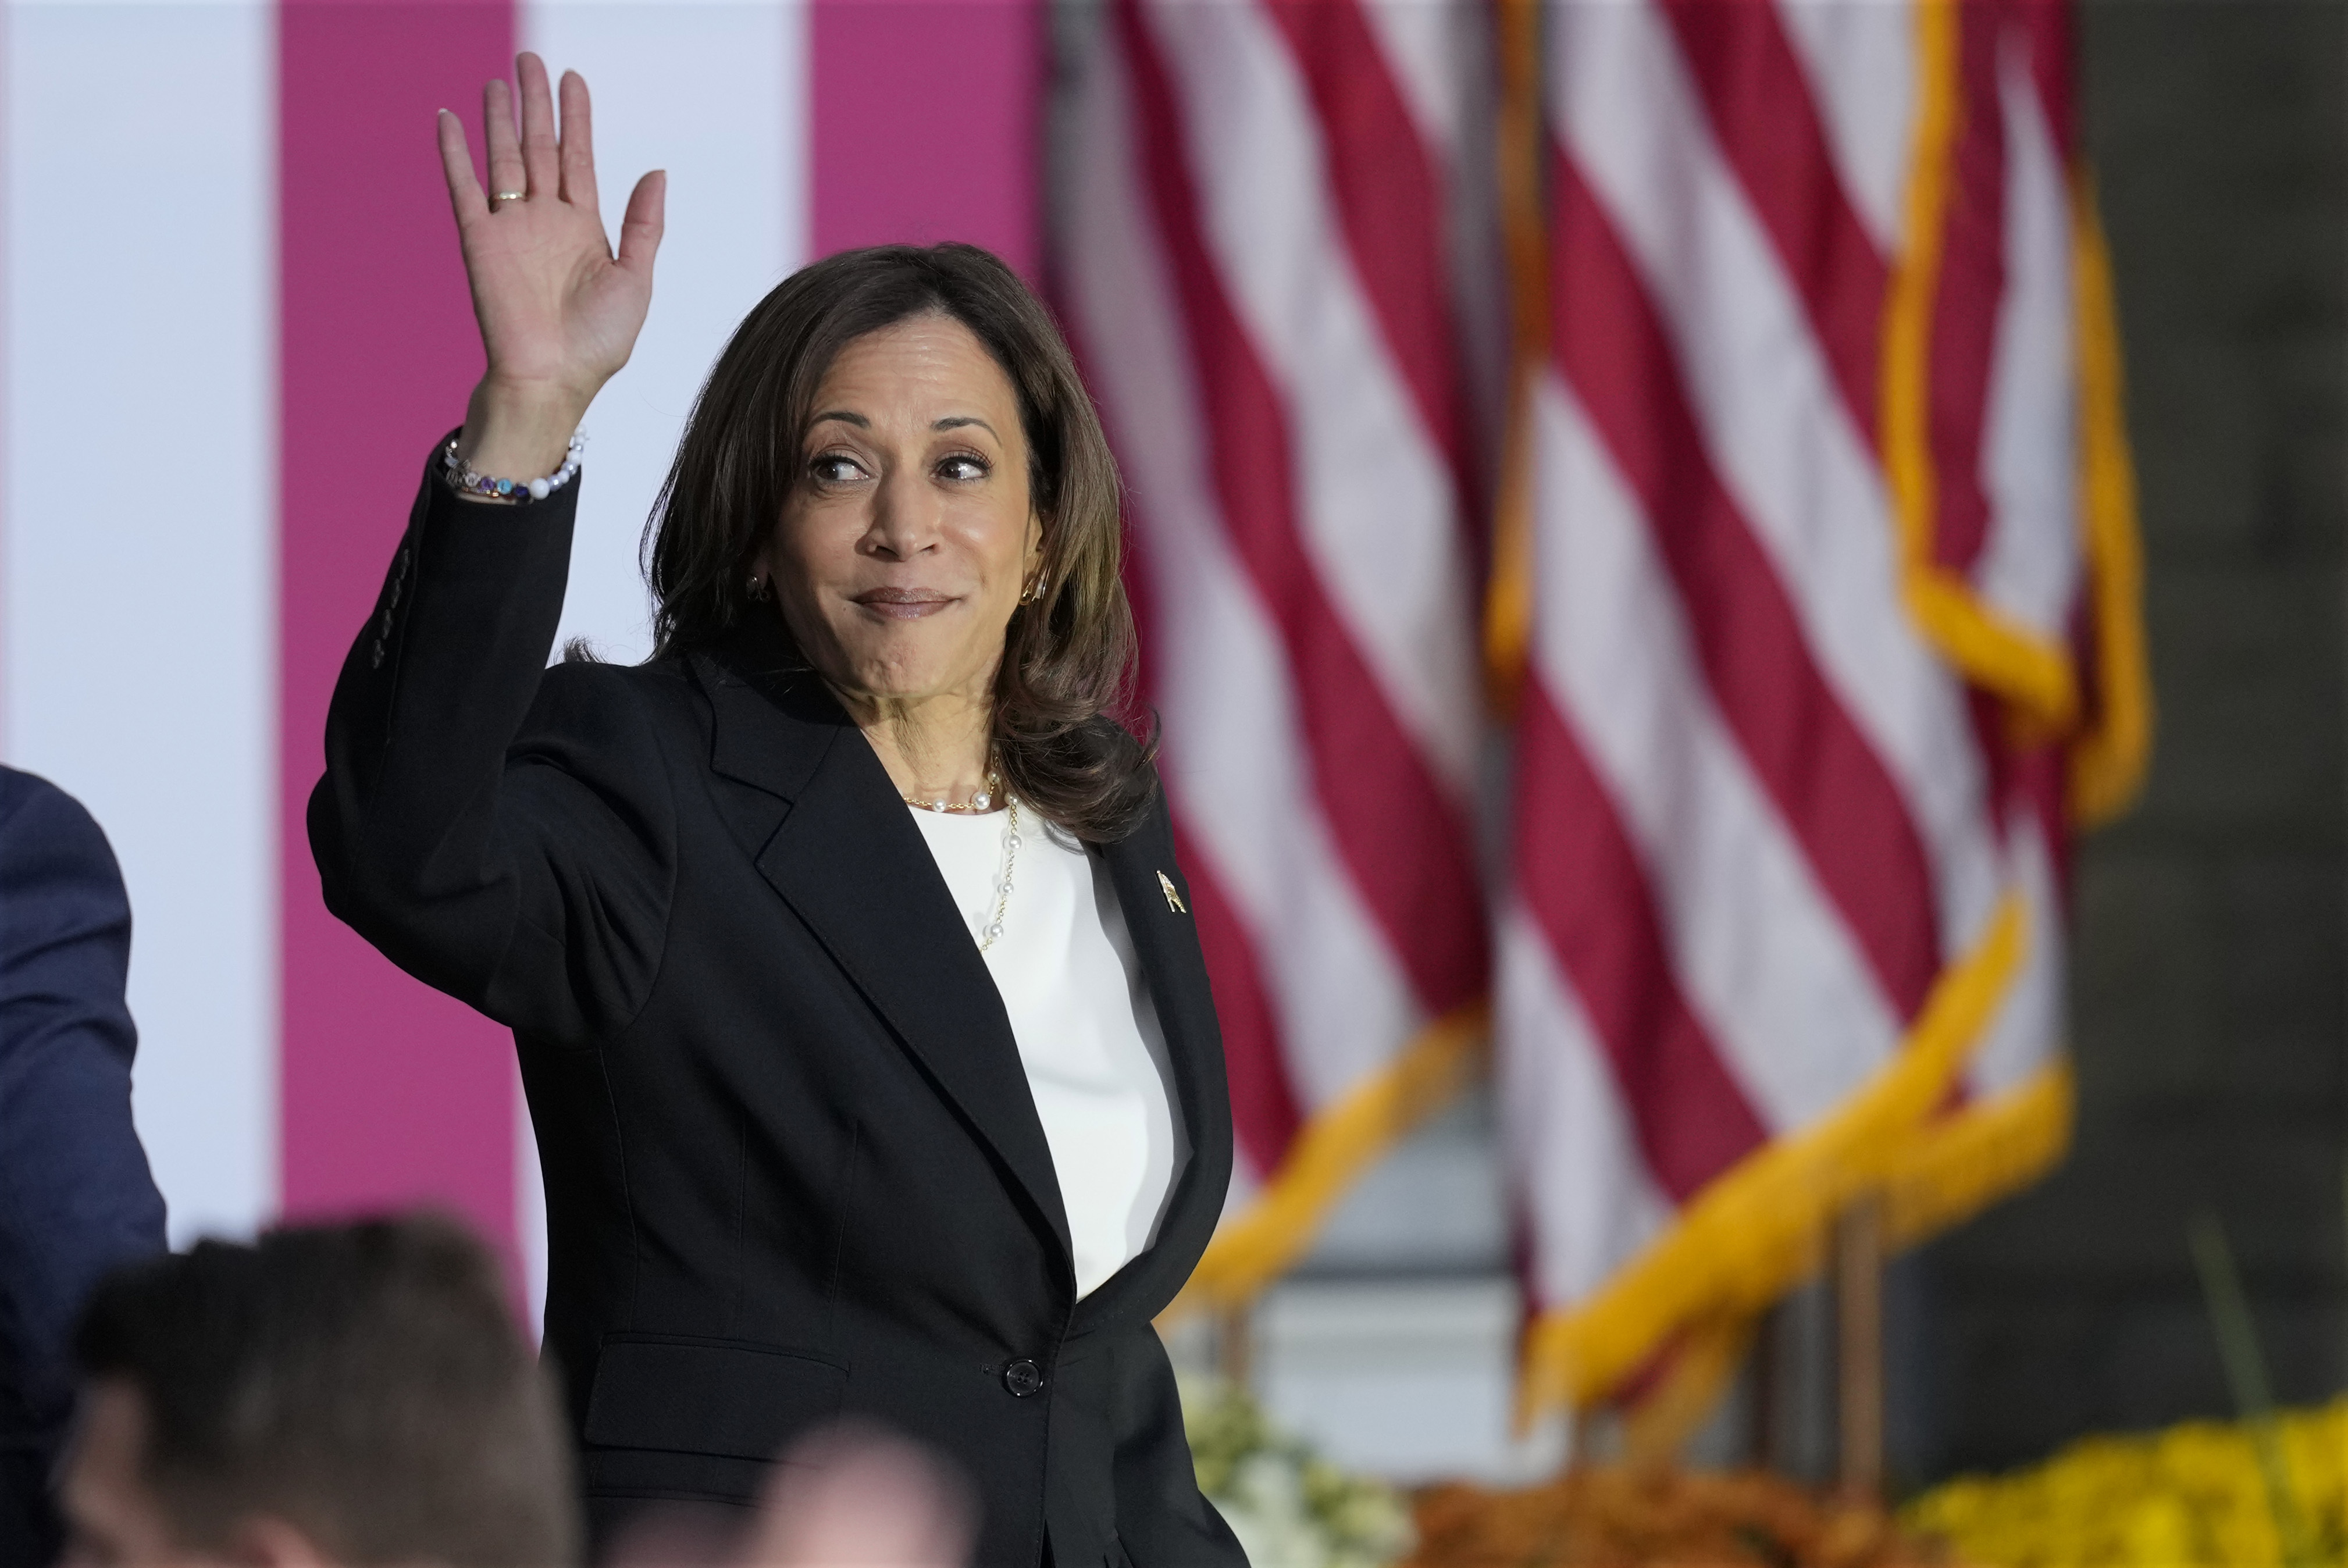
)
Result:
{"points": [[863, 1024]]}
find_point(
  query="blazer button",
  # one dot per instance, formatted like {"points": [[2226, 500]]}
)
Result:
{"points": [[1023, 1379]]}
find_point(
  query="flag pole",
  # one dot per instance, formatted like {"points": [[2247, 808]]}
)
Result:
{"points": [[1524, 225], [1766, 1372], [1235, 1343], [1858, 1329]]}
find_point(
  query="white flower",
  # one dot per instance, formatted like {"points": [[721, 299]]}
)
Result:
{"points": [[1266, 1511], [1289, 1508]]}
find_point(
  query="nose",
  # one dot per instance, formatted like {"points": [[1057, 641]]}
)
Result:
{"points": [[904, 521]]}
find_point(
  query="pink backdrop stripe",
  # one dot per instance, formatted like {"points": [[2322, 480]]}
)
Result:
{"points": [[391, 1092], [928, 115]]}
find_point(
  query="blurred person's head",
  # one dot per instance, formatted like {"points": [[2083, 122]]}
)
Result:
{"points": [[854, 1497], [333, 1393], [850, 1496]]}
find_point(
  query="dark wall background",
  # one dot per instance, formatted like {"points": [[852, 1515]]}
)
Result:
{"points": [[2212, 922]]}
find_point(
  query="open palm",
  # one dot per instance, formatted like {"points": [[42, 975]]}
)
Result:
{"points": [[558, 311]]}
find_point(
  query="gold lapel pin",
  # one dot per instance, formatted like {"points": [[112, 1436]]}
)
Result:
{"points": [[1173, 900]]}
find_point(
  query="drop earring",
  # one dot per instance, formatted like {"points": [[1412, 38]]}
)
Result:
{"points": [[758, 589]]}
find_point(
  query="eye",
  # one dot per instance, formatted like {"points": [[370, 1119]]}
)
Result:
{"points": [[963, 468], [835, 469]]}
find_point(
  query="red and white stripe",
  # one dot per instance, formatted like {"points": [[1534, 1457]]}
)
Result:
{"points": [[1270, 260], [234, 319], [1757, 812]]}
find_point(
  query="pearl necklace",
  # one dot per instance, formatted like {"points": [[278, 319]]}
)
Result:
{"points": [[981, 801], [1010, 863]]}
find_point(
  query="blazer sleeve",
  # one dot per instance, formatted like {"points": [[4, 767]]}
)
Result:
{"points": [[76, 1196], [501, 830]]}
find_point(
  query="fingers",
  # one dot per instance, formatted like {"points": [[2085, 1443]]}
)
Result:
{"points": [[541, 160], [505, 172], [640, 229], [578, 143], [457, 164]]}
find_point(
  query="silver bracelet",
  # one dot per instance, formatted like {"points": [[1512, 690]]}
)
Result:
{"points": [[465, 481]]}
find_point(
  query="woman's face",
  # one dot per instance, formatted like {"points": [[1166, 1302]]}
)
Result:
{"points": [[908, 536]]}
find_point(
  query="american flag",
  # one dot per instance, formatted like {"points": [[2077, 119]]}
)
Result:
{"points": [[1832, 640], [1277, 259], [1810, 606]]}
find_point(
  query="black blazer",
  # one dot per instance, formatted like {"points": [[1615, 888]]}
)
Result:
{"points": [[793, 1170]]}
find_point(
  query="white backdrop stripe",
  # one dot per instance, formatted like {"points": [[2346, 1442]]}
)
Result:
{"points": [[138, 533], [706, 91]]}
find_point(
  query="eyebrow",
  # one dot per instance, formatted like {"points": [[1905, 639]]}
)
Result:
{"points": [[956, 421], [952, 422]]}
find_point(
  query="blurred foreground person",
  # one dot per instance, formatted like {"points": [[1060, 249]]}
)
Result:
{"points": [[334, 1394], [75, 1197], [860, 1499], [867, 1034], [850, 1497]]}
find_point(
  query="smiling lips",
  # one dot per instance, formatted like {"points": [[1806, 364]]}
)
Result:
{"points": [[904, 603]]}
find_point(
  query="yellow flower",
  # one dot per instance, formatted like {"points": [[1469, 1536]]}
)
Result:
{"points": [[2192, 1495]]}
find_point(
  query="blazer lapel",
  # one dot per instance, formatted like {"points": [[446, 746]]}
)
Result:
{"points": [[849, 859], [1165, 943]]}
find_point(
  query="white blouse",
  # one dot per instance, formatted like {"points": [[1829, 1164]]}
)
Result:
{"points": [[1087, 1031]]}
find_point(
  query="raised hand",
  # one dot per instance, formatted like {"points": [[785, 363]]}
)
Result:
{"points": [[559, 312]]}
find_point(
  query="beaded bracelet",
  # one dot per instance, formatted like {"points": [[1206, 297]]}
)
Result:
{"points": [[465, 481]]}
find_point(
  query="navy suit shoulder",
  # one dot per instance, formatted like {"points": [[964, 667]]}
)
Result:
{"points": [[76, 1196]]}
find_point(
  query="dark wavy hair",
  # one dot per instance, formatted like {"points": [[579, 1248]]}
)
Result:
{"points": [[1068, 659]]}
